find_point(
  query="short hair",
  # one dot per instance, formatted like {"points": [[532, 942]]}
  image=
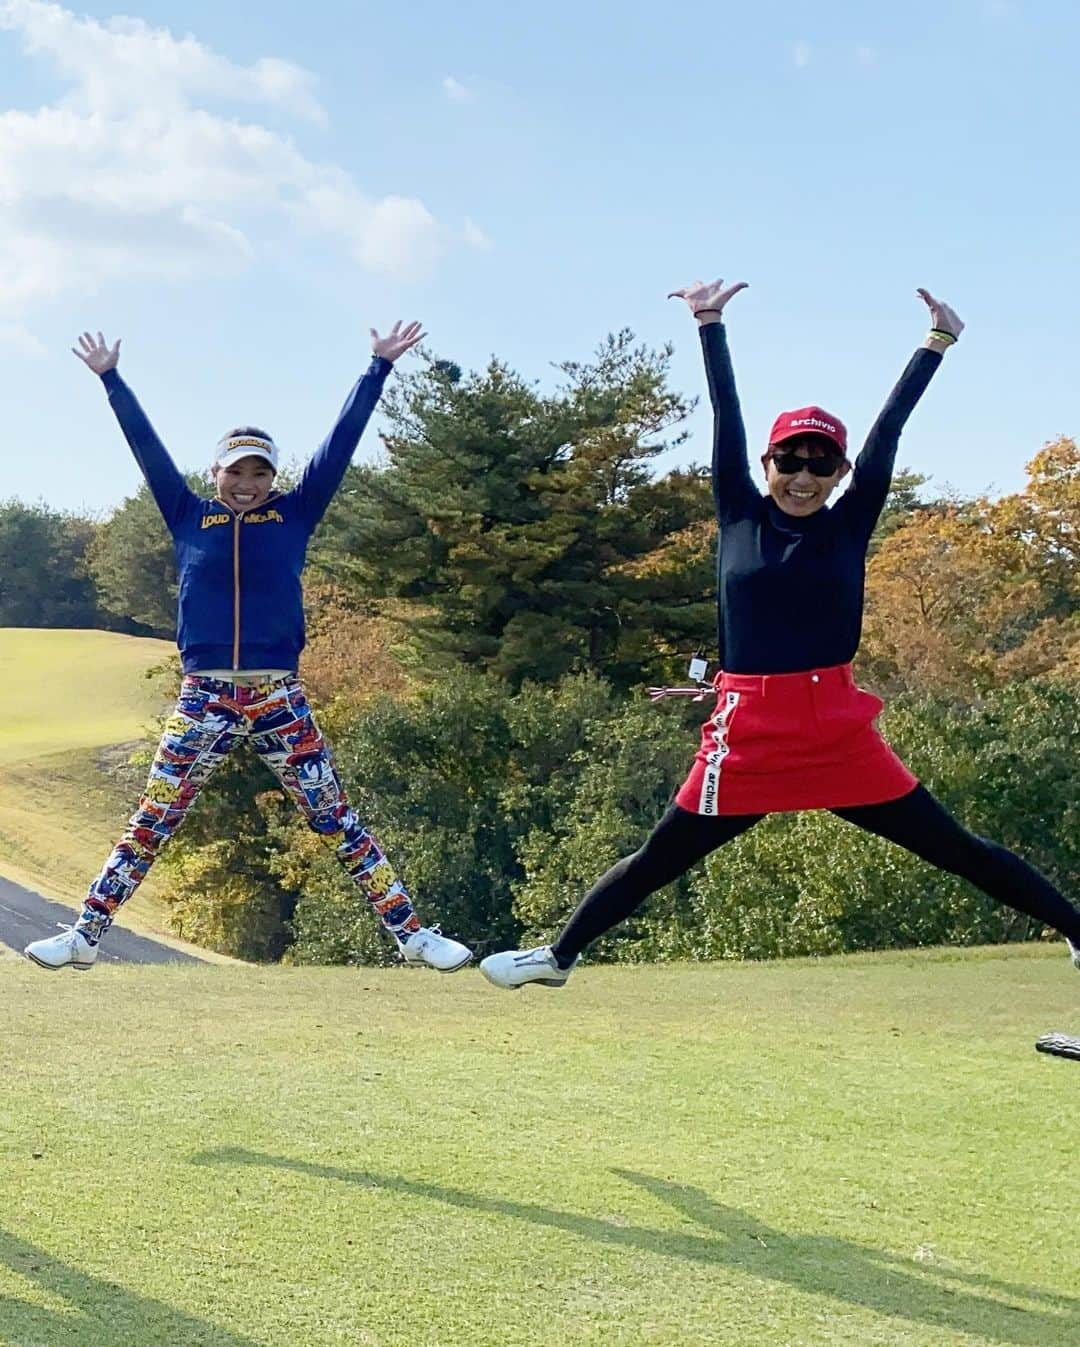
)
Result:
{"points": [[247, 430]]}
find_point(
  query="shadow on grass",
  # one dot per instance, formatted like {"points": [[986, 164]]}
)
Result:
{"points": [[850, 1273], [96, 1312]]}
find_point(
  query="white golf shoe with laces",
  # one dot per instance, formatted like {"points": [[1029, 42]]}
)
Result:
{"points": [[69, 949], [428, 946], [514, 968]]}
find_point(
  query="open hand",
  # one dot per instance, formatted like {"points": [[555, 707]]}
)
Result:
{"points": [[941, 316], [98, 354], [397, 341], [702, 297]]}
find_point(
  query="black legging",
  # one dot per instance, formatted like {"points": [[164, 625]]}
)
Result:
{"points": [[916, 821]]}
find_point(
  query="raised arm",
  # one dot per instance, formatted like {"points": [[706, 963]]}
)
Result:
{"points": [[323, 474], [165, 480], [864, 499], [733, 487]]}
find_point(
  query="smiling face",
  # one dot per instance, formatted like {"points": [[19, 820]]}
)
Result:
{"points": [[244, 485], [803, 493]]}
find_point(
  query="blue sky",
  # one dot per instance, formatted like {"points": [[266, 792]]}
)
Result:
{"points": [[241, 191]]}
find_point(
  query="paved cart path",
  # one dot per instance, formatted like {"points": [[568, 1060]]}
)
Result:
{"points": [[26, 916]]}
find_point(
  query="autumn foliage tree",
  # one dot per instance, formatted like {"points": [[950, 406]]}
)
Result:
{"points": [[349, 653], [1045, 521], [979, 593]]}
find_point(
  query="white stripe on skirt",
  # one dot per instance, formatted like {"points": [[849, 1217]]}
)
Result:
{"points": [[714, 760]]}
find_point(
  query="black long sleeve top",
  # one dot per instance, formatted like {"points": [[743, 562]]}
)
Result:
{"points": [[790, 590]]}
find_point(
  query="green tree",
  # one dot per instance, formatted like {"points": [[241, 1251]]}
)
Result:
{"points": [[44, 581], [904, 499], [133, 564], [516, 527], [1005, 765], [614, 788], [451, 780], [501, 808], [224, 890]]}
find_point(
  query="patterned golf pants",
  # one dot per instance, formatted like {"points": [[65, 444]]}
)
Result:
{"points": [[211, 718]]}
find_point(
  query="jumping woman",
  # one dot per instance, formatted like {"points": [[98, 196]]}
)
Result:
{"points": [[791, 730], [240, 632]]}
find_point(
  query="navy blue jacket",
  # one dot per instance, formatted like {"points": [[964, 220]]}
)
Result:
{"points": [[790, 590], [241, 603]]}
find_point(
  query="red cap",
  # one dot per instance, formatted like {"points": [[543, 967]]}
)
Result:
{"points": [[809, 421]]}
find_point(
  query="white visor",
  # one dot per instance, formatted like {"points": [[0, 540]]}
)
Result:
{"points": [[236, 447]]}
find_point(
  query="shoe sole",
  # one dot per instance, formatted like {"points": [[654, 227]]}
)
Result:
{"points": [[57, 967], [458, 966], [422, 963], [517, 986]]}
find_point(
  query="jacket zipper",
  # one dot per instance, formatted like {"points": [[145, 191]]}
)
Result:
{"points": [[236, 592], [237, 520]]}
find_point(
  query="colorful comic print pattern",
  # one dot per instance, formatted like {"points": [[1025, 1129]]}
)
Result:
{"points": [[210, 719]]}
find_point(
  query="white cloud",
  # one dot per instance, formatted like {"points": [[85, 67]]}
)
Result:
{"points": [[395, 234], [126, 63], [17, 338], [801, 54], [475, 237], [133, 171], [456, 91]]}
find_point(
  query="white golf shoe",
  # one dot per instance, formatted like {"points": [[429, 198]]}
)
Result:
{"points": [[1074, 952], [515, 967], [69, 949], [430, 947]]}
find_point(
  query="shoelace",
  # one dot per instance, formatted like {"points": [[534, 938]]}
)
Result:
{"points": [[421, 936], [538, 955], [699, 693]]}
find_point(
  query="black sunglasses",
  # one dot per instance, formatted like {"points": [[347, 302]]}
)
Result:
{"points": [[790, 463]]}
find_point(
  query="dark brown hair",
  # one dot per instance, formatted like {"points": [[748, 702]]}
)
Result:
{"points": [[247, 430]]}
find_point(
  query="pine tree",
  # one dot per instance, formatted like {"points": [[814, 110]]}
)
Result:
{"points": [[523, 533]]}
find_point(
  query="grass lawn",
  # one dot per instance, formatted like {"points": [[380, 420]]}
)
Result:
{"points": [[67, 690], [858, 1152], [76, 698]]}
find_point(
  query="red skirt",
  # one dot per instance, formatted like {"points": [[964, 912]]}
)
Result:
{"points": [[779, 742]]}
